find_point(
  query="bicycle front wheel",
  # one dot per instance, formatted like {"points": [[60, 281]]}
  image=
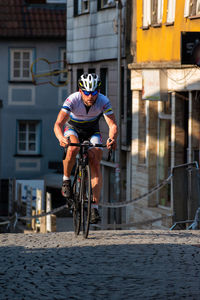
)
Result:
{"points": [[77, 202], [86, 195]]}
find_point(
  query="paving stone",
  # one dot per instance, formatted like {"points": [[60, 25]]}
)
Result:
{"points": [[134, 264]]}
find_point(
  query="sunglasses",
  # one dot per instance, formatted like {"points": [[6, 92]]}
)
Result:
{"points": [[92, 93]]}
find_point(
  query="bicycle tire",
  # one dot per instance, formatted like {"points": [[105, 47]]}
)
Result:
{"points": [[86, 194], [77, 203]]}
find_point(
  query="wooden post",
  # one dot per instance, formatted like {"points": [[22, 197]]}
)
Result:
{"points": [[43, 224], [19, 197], [33, 221], [10, 200], [53, 223], [28, 205], [38, 207], [48, 208]]}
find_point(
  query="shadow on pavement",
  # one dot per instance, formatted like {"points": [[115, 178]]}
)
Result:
{"points": [[82, 269]]}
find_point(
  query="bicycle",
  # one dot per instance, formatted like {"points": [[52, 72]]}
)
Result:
{"points": [[82, 189]]}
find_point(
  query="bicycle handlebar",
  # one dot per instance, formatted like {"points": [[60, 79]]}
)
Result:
{"points": [[84, 144], [90, 145]]}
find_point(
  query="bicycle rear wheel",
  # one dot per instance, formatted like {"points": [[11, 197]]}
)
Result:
{"points": [[77, 202], [86, 195]]}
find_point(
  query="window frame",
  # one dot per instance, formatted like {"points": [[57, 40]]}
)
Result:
{"points": [[79, 7], [190, 10], [27, 141], [21, 68], [157, 13], [198, 5], [152, 17], [101, 4]]}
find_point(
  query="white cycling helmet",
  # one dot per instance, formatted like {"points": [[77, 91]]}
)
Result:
{"points": [[89, 82]]}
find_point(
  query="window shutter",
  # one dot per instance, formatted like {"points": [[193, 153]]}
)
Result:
{"points": [[198, 7], [146, 13], [171, 11], [187, 8], [160, 11]]}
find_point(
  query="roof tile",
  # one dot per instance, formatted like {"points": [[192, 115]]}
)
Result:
{"points": [[19, 19]]}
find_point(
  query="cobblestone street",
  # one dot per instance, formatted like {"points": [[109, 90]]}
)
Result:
{"points": [[108, 265]]}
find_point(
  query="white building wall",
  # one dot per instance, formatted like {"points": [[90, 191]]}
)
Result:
{"points": [[91, 37]]}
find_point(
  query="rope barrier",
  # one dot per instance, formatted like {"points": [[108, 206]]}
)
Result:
{"points": [[150, 192], [15, 217], [9, 221], [54, 211], [124, 225]]}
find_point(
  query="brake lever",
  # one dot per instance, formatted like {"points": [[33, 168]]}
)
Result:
{"points": [[109, 152]]}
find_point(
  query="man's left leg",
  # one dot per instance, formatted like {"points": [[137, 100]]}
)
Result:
{"points": [[95, 156]]}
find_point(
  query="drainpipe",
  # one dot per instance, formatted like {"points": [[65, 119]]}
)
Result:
{"points": [[118, 152]]}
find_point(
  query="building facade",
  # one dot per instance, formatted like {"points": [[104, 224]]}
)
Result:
{"points": [[32, 41], [92, 46], [165, 101]]}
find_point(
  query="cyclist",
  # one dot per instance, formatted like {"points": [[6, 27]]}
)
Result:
{"points": [[79, 120]]}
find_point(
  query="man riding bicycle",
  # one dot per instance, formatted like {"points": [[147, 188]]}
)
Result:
{"points": [[79, 120]]}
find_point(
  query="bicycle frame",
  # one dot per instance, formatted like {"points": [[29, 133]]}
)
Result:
{"points": [[81, 187]]}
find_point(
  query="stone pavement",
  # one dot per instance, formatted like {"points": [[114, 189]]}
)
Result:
{"points": [[134, 264]]}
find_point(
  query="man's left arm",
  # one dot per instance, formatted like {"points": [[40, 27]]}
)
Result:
{"points": [[111, 122]]}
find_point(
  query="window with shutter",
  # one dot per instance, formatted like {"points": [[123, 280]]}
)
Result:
{"points": [[81, 7], [154, 11], [194, 8], [171, 7]]}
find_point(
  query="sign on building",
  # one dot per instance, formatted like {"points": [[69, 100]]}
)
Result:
{"points": [[154, 85]]}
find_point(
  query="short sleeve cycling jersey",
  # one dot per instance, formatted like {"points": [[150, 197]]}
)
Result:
{"points": [[80, 117]]}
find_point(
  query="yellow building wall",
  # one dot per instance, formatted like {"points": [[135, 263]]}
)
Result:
{"points": [[163, 43]]}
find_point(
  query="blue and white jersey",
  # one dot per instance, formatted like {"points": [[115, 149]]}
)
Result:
{"points": [[82, 118]]}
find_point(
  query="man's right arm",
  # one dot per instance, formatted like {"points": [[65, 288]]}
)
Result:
{"points": [[58, 127]]}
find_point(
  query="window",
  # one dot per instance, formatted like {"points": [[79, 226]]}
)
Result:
{"points": [[146, 13], [105, 3], [156, 11], [171, 11], [91, 70], [20, 63], [192, 8], [198, 7], [63, 65], [152, 12], [104, 81], [28, 137], [81, 7]]}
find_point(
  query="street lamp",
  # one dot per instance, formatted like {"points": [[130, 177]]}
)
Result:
{"points": [[117, 216]]}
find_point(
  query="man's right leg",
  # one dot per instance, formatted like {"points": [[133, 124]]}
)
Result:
{"points": [[68, 164]]}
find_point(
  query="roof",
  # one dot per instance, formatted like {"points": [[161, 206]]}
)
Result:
{"points": [[21, 19]]}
